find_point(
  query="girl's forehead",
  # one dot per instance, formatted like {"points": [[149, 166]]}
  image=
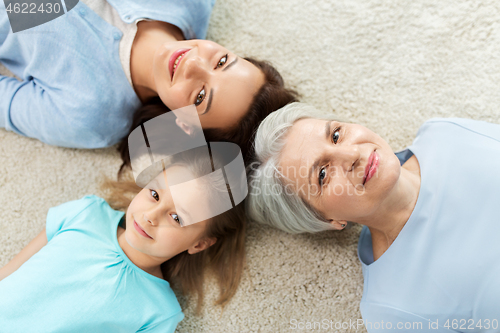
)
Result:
{"points": [[173, 174]]}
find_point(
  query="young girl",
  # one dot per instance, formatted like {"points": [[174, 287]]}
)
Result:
{"points": [[96, 269]]}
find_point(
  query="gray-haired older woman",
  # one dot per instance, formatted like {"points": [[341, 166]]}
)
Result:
{"points": [[429, 248]]}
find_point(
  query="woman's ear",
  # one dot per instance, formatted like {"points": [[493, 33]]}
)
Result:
{"points": [[183, 126], [202, 244], [338, 225]]}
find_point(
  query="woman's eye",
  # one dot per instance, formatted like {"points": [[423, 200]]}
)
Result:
{"points": [[336, 135], [154, 194], [222, 61], [200, 97], [322, 175], [176, 218]]}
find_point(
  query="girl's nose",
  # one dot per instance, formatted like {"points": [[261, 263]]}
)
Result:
{"points": [[148, 218]]}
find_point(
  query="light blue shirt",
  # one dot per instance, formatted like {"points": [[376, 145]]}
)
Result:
{"points": [[74, 91], [82, 281], [442, 270]]}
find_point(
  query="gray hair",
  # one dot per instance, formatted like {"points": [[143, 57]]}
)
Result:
{"points": [[269, 201]]}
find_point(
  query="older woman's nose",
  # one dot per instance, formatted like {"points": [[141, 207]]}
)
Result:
{"points": [[346, 156]]}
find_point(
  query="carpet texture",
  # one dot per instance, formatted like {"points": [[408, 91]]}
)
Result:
{"points": [[387, 64]]}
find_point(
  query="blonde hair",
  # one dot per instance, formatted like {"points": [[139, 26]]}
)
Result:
{"points": [[226, 258]]}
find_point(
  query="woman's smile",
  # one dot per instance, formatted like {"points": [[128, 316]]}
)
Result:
{"points": [[175, 60]]}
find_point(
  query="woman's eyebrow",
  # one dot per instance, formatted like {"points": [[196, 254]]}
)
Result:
{"points": [[321, 159], [209, 103], [211, 96], [313, 167], [231, 64], [328, 129]]}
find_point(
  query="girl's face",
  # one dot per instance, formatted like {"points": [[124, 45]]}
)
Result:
{"points": [[152, 223], [220, 84], [343, 170]]}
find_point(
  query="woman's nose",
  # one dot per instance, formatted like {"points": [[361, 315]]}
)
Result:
{"points": [[195, 68], [346, 156]]}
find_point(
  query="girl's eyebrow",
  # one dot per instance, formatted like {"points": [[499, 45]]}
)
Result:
{"points": [[154, 183], [184, 214]]}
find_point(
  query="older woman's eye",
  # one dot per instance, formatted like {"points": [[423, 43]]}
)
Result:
{"points": [[322, 175], [200, 97], [176, 218], [336, 135], [222, 61], [154, 194]]}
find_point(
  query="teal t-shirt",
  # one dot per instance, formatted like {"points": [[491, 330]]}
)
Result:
{"points": [[82, 281]]}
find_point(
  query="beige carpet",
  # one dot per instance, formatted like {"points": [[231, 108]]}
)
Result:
{"points": [[387, 64]]}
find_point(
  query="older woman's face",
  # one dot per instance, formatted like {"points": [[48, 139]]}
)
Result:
{"points": [[343, 170]]}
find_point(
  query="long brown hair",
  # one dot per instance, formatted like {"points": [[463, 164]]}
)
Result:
{"points": [[226, 258], [270, 97]]}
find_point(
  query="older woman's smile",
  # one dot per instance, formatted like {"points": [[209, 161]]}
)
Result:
{"points": [[371, 166]]}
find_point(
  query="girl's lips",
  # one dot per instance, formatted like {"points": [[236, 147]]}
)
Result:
{"points": [[371, 166], [140, 231], [174, 57]]}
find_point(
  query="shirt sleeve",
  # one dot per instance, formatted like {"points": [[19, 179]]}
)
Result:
{"points": [[382, 318], [167, 325], [191, 16], [28, 109], [483, 128], [60, 217]]}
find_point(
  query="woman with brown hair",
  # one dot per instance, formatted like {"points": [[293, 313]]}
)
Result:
{"points": [[105, 63], [270, 97]]}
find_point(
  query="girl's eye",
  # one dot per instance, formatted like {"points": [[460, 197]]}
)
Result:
{"points": [[154, 194], [336, 135], [222, 61], [322, 175], [176, 218], [200, 97]]}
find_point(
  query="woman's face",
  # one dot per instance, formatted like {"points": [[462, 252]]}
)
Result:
{"points": [[220, 84], [153, 222], [343, 170]]}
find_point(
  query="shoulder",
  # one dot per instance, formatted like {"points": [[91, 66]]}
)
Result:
{"points": [[74, 207], [450, 125], [68, 214], [438, 131]]}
